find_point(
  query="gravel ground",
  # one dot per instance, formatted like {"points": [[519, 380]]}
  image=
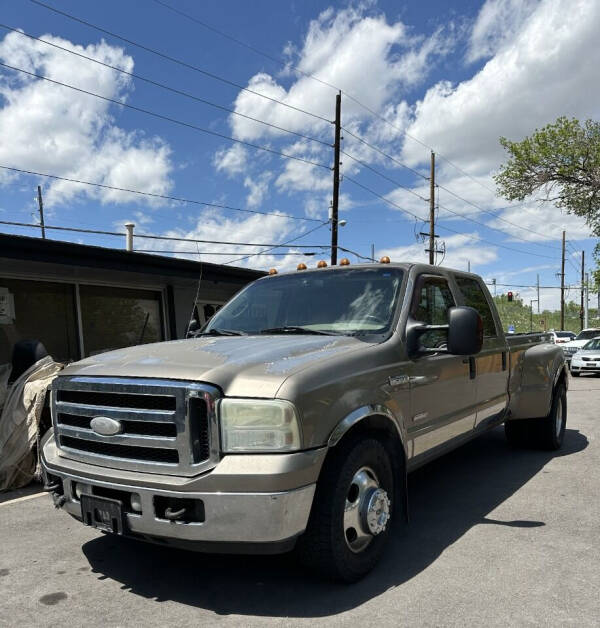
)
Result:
{"points": [[497, 537]]}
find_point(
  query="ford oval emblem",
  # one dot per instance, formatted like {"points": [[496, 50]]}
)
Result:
{"points": [[106, 426]]}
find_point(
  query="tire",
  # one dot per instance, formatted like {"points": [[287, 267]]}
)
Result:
{"points": [[575, 374], [544, 432], [354, 475]]}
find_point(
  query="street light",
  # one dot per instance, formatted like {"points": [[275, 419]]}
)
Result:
{"points": [[531, 302]]}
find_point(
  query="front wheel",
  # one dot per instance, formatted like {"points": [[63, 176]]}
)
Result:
{"points": [[352, 511]]}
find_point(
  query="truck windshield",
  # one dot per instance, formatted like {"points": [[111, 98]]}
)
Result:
{"points": [[350, 301]]}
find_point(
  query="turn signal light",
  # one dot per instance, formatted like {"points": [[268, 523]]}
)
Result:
{"points": [[385, 260], [322, 264]]}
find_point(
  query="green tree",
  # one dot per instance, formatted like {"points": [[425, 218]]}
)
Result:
{"points": [[560, 164]]}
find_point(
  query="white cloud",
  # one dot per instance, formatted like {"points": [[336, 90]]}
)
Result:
{"points": [[231, 160], [497, 23], [259, 188], [49, 128], [549, 69]]}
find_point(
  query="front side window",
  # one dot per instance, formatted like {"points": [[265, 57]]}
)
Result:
{"points": [[431, 303], [474, 297], [353, 301]]}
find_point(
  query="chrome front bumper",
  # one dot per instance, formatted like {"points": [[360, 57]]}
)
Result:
{"points": [[252, 518]]}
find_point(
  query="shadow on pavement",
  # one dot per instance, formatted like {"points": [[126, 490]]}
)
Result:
{"points": [[447, 498]]}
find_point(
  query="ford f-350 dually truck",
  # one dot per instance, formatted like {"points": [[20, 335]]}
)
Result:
{"points": [[294, 416]]}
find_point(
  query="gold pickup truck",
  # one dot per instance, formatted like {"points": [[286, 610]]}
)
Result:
{"points": [[293, 417]]}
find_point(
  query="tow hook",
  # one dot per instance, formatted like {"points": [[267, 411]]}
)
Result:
{"points": [[50, 488], [174, 515]]}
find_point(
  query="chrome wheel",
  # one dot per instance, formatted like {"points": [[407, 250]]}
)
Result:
{"points": [[558, 418], [367, 510]]}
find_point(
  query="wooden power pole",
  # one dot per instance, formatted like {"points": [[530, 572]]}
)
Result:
{"points": [[41, 206], [562, 285], [432, 211], [336, 179], [582, 289]]}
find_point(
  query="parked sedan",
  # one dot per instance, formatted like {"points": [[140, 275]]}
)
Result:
{"points": [[587, 359], [571, 348], [561, 337]]}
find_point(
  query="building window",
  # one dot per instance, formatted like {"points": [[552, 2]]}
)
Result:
{"points": [[43, 311], [113, 318]]}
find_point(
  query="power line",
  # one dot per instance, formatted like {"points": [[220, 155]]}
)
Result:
{"points": [[167, 87], [381, 152], [178, 61], [422, 198], [487, 211], [176, 252], [515, 285], [280, 62], [168, 118], [161, 196], [151, 236], [276, 247], [478, 239]]}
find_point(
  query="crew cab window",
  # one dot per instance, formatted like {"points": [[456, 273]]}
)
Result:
{"points": [[474, 297], [431, 303]]}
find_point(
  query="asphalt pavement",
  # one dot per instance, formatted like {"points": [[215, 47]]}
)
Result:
{"points": [[497, 537]]}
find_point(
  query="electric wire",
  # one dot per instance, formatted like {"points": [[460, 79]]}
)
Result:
{"points": [[478, 239], [272, 247], [161, 116], [152, 236], [160, 196], [178, 61], [167, 87]]}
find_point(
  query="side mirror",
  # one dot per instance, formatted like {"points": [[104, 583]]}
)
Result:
{"points": [[465, 331]]}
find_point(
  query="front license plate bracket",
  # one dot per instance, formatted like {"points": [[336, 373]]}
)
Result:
{"points": [[102, 513]]}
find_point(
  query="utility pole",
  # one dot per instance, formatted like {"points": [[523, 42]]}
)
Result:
{"points": [[336, 179], [586, 307], [538, 293], [373, 252], [41, 205], [582, 288], [468, 265], [494, 282], [432, 210], [562, 285]]}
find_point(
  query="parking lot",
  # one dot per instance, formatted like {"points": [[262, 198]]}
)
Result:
{"points": [[497, 537]]}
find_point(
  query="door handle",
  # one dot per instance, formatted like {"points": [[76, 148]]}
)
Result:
{"points": [[472, 368]]}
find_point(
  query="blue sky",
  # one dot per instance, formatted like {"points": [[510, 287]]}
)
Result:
{"points": [[452, 76]]}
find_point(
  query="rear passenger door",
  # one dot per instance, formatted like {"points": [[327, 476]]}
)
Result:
{"points": [[491, 371], [442, 392]]}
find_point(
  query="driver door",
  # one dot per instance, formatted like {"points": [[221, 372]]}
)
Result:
{"points": [[442, 386]]}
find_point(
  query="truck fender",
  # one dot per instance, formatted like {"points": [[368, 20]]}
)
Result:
{"points": [[361, 414]]}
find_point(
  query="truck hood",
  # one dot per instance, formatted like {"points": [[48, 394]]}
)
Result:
{"points": [[241, 366]]}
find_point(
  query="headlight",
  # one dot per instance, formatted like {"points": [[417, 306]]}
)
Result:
{"points": [[258, 425]]}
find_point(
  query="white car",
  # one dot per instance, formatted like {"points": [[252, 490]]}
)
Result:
{"points": [[587, 359], [561, 337], [571, 348]]}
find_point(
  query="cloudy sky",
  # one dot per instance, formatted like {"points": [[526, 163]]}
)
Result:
{"points": [[415, 76]]}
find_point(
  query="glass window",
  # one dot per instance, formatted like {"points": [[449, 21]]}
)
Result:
{"points": [[352, 301], [588, 334], [113, 318], [43, 311], [475, 297], [431, 303]]}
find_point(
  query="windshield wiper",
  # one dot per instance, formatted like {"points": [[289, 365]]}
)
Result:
{"points": [[291, 329], [215, 331]]}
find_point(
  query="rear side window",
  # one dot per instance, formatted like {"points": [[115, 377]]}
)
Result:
{"points": [[475, 297]]}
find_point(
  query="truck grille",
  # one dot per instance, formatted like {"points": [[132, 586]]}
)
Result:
{"points": [[166, 427]]}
